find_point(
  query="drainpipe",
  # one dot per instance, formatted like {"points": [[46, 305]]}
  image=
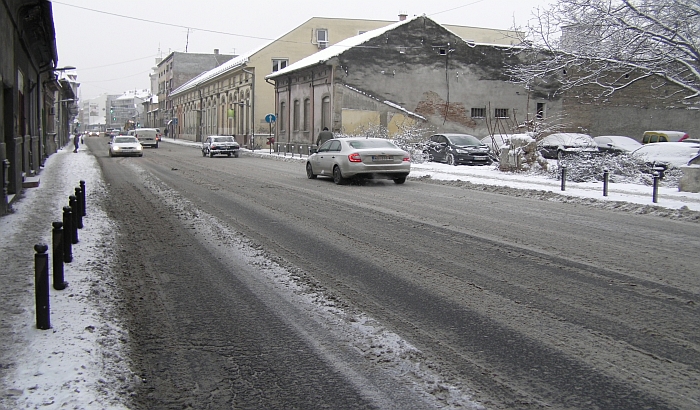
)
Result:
{"points": [[252, 106]]}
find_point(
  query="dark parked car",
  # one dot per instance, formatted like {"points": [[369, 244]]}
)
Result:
{"points": [[617, 144], [554, 146], [220, 144], [455, 149]]}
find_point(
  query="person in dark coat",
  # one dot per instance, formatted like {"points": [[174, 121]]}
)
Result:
{"points": [[324, 136], [76, 142]]}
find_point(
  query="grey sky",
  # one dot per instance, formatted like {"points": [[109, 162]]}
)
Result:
{"points": [[114, 54]]}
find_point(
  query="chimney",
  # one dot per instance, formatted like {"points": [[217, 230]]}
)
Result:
{"points": [[216, 51], [402, 16]]}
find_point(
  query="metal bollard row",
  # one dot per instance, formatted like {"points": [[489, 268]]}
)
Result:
{"points": [[63, 236]]}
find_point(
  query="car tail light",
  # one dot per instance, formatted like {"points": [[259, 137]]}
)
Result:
{"points": [[354, 157], [686, 136], [406, 158]]}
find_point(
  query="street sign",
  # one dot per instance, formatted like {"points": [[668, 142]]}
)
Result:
{"points": [[270, 118]]}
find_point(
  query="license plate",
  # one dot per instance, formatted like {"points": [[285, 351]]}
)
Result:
{"points": [[382, 158]]}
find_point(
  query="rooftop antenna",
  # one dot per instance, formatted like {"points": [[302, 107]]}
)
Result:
{"points": [[188, 39]]}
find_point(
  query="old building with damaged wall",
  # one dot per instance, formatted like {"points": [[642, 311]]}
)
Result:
{"points": [[417, 71], [413, 71]]}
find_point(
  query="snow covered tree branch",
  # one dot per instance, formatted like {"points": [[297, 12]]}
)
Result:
{"points": [[608, 45]]}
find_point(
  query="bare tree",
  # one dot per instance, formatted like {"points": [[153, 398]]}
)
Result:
{"points": [[608, 45]]}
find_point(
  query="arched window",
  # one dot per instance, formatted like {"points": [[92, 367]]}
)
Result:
{"points": [[283, 117], [307, 114], [297, 114], [326, 113]]}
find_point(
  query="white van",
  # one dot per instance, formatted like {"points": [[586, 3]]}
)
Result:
{"points": [[148, 137]]}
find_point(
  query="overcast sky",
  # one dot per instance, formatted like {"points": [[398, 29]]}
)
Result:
{"points": [[114, 43]]}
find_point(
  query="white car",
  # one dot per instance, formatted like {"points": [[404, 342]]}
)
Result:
{"points": [[554, 146], [675, 154], [616, 144], [124, 145], [345, 158]]}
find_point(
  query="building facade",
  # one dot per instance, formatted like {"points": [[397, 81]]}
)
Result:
{"points": [[413, 71], [175, 70], [35, 108], [235, 98], [417, 71]]}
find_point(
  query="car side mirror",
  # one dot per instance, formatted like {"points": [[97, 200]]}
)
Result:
{"points": [[313, 150], [110, 143]]}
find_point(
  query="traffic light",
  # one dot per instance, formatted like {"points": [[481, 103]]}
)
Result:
{"points": [[114, 118]]}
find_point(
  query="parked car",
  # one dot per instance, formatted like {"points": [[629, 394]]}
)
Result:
{"points": [[675, 154], [345, 158], [663, 136], [124, 145], [220, 144], [455, 149], [554, 146], [616, 144]]}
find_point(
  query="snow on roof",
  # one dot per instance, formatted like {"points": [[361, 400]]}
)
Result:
{"points": [[207, 75], [338, 48], [387, 102]]}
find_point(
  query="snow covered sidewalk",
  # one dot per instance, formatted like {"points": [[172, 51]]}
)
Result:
{"points": [[79, 362]]}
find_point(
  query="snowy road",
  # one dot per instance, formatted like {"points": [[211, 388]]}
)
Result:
{"points": [[243, 284]]}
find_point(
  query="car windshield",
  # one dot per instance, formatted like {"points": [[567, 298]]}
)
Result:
{"points": [[464, 140], [125, 140], [223, 139], [359, 144]]}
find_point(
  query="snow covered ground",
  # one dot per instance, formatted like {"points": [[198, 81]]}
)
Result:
{"points": [[82, 362]]}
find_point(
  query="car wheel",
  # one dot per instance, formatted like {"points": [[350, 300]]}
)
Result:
{"points": [[156, 145], [560, 154], [236, 154], [338, 176], [110, 154], [204, 153], [141, 155], [211, 154], [228, 154], [451, 160], [399, 180], [310, 171]]}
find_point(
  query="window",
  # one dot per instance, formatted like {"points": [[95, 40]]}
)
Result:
{"points": [[540, 111], [501, 113], [322, 38], [282, 122], [307, 114], [326, 113], [279, 63], [478, 112], [296, 115]]}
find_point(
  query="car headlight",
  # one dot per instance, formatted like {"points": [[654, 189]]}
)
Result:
{"points": [[462, 151], [116, 148]]}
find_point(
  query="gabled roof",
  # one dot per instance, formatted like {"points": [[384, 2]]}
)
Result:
{"points": [[337, 49]]}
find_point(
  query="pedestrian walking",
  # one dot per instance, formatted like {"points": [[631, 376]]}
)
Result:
{"points": [[76, 142], [166, 133], [324, 136]]}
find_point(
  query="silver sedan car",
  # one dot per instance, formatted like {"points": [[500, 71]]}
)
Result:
{"points": [[345, 158]]}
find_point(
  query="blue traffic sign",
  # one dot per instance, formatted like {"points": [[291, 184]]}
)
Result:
{"points": [[270, 118]]}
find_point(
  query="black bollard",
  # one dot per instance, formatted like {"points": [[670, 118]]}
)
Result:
{"points": [[41, 284], [563, 177], [655, 193], [74, 218], [67, 235], [57, 242], [606, 179], [79, 210], [82, 197]]}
